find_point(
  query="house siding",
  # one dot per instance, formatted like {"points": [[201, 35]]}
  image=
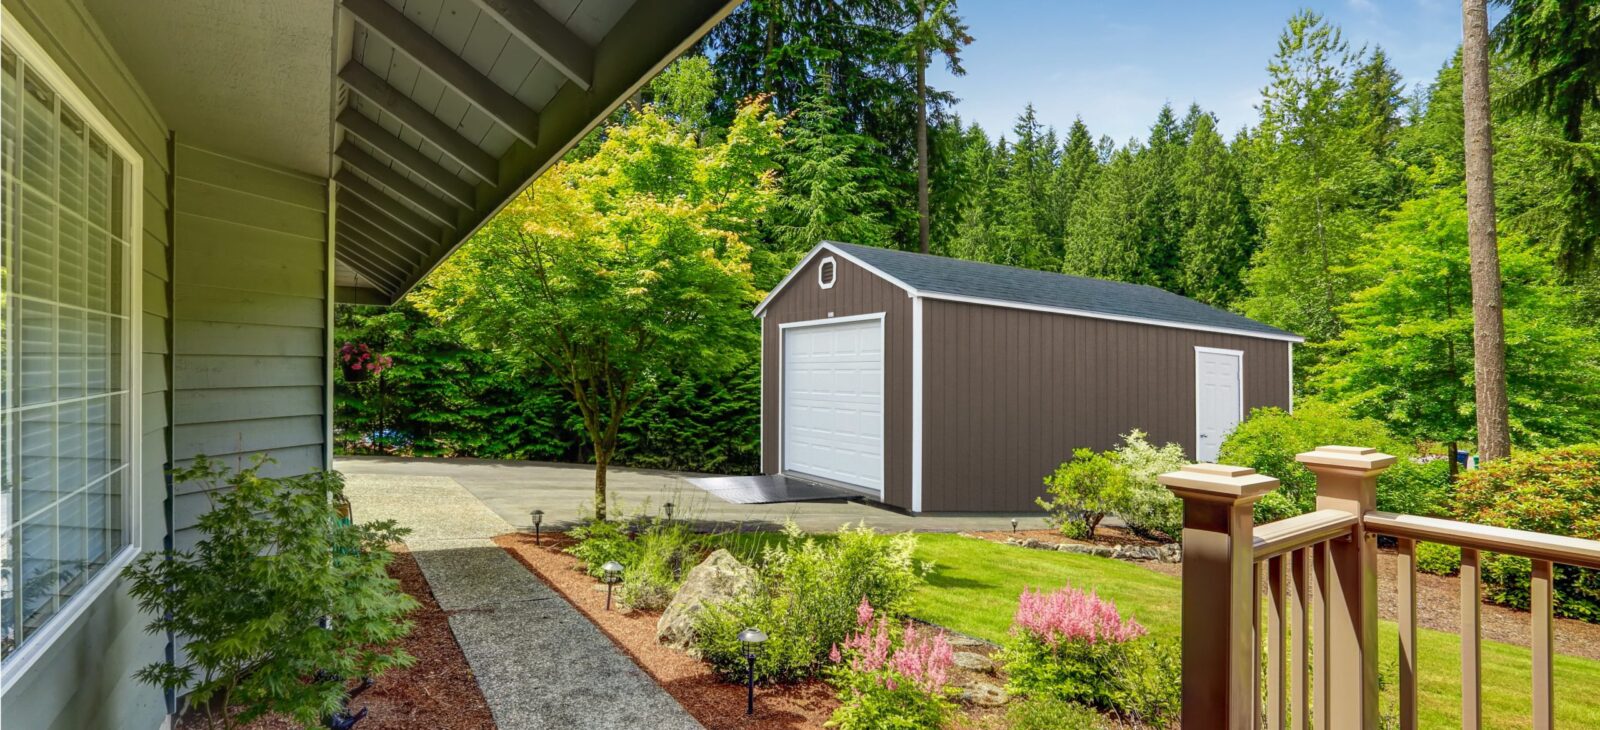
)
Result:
{"points": [[1009, 393], [856, 291], [251, 367], [85, 681]]}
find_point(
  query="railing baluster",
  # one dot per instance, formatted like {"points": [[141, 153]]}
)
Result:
{"points": [[1471, 658], [1320, 651], [1256, 576], [1406, 604], [1299, 686], [1543, 640], [1277, 698]]}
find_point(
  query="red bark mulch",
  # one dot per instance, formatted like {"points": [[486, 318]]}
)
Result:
{"points": [[438, 692], [716, 704]]}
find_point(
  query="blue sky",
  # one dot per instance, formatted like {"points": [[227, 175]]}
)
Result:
{"points": [[1114, 63]]}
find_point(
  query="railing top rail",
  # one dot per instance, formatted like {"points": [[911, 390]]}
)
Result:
{"points": [[1535, 545], [1276, 538]]}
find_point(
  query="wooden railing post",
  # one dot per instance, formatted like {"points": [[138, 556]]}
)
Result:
{"points": [[1219, 598], [1347, 480]]}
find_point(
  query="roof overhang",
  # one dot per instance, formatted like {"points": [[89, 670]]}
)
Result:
{"points": [[428, 116], [914, 292]]}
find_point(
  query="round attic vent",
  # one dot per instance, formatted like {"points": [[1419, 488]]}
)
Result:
{"points": [[827, 273]]}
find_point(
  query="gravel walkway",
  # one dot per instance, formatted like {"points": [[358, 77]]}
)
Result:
{"points": [[539, 662]]}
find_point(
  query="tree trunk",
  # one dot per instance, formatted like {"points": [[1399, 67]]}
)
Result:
{"points": [[922, 141], [1488, 323], [600, 463]]}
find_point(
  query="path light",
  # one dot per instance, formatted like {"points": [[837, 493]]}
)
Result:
{"points": [[538, 517], [613, 571], [668, 507], [1013, 524], [752, 639]]}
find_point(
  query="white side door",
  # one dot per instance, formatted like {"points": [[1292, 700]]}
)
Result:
{"points": [[1218, 398], [833, 401]]}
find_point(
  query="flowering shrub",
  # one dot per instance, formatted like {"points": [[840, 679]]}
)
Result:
{"points": [[1082, 491], [358, 357], [1068, 645], [1148, 508], [1554, 491], [813, 587], [890, 681]]}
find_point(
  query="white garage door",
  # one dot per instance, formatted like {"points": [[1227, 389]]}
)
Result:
{"points": [[833, 402]]}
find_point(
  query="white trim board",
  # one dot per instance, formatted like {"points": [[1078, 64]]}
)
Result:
{"points": [[916, 403], [914, 293], [42, 640], [883, 345]]}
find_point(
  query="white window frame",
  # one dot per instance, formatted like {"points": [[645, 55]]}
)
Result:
{"points": [[1238, 393], [40, 642], [826, 264]]}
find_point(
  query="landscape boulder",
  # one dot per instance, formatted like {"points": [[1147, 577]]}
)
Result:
{"points": [[720, 578]]}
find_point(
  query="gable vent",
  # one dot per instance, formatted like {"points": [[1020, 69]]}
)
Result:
{"points": [[827, 273]]}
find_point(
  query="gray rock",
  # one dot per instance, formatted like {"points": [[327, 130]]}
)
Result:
{"points": [[719, 579], [972, 661], [961, 640], [1172, 553], [984, 693]]}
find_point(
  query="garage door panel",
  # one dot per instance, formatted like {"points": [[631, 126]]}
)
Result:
{"points": [[833, 402]]}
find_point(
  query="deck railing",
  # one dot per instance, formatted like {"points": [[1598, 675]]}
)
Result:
{"points": [[1317, 576]]}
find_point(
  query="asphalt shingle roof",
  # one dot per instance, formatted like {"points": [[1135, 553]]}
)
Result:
{"points": [[957, 277]]}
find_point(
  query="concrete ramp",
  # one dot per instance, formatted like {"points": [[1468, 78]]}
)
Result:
{"points": [[771, 489]]}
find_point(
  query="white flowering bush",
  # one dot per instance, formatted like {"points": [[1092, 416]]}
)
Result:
{"points": [[1150, 509]]}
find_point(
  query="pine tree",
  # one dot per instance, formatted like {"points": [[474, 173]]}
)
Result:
{"points": [[1159, 216], [832, 189], [1024, 236], [1217, 233], [1104, 236], [1079, 164]]}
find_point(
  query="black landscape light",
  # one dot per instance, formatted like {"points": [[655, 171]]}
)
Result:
{"points": [[752, 639], [1013, 524], [613, 571], [668, 508], [538, 518]]}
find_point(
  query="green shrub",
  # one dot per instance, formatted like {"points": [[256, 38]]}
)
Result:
{"points": [[1270, 438], [276, 590], [1082, 491], [812, 587], [663, 553], [1416, 489], [1554, 491], [1145, 686], [1438, 558], [602, 541], [1049, 713], [1148, 508]]}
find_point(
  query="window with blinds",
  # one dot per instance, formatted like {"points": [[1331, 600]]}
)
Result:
{"points": [[64, 352]]}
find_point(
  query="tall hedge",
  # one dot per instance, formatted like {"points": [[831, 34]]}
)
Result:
{"points": [[442, 398]]}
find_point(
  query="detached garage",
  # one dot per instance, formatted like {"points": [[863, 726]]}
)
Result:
{"points": [[940, 385]]}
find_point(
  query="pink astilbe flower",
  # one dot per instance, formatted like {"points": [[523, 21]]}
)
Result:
{"points": [[925, 662], [1073, 615]]}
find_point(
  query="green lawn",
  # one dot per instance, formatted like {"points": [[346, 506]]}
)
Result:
{"points": [[975, 589]]}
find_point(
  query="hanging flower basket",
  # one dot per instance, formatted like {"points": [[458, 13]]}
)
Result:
{"points": [[360, 362]]}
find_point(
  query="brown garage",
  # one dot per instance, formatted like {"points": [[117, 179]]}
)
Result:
{"points": [[940, 385]]}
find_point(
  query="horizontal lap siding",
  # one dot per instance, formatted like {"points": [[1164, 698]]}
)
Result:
{"points": [[1009, 393], [250, 331], [85, 680], [856, 291]]}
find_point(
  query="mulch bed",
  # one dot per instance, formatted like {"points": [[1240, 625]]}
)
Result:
{"points": [[438, 692], [716, 704]]}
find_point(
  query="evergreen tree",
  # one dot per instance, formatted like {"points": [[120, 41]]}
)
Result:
{"points": [[1078, 166], [1024, 236], [833, 186], [1216, 231], [1159, 215], [1313, 165], [1104, 236]]}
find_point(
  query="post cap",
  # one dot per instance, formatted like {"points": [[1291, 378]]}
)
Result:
{"points": [[1346, 457], [1218, 481]]}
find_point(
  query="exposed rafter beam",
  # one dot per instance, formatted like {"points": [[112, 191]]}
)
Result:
{"points": [[409, 157], [380, 17], [353, 188], [393, 180], [546, 35], [351, 206], [391, 254], [348, 253], [481, 164], [412, 252], [360, 294]]}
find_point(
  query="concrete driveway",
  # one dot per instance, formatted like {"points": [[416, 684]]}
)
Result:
{"points": [[512, 489]]}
